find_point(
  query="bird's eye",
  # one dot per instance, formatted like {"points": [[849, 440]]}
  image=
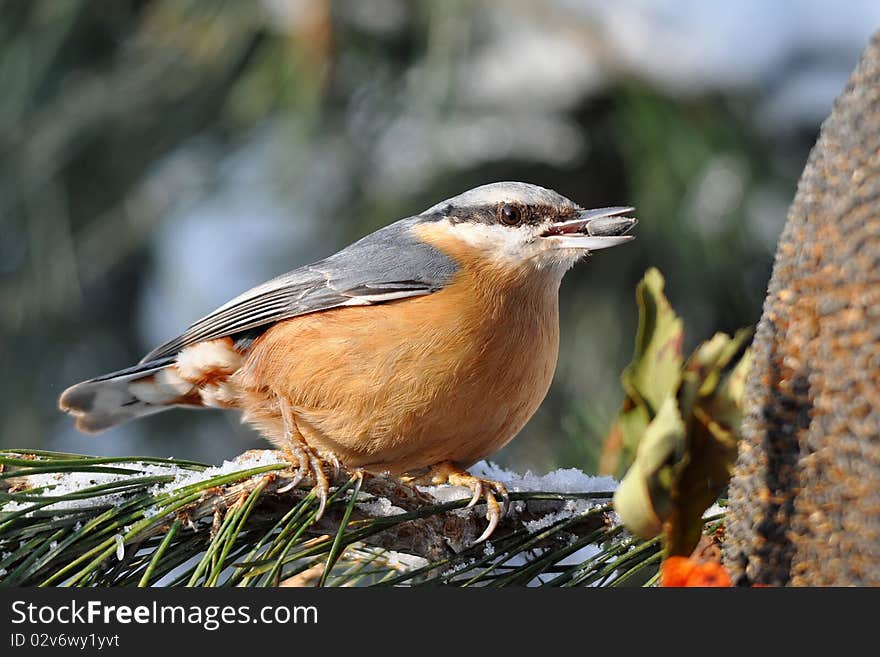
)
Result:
{"points": [[510, 215]]}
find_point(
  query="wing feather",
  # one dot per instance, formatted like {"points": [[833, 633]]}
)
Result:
{"points": [[387, 265]]}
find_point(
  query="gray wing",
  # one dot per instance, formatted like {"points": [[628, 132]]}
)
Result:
{"points": [[384, 266]]}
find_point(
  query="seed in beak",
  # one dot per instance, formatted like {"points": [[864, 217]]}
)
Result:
{"points": [[602, 222], [609, 226]]}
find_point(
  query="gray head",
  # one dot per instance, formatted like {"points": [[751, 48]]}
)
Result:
{"points": [[517, 223]]}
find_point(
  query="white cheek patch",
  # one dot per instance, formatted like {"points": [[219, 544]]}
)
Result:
{"points": [[215, 356], [504, 244], [517, 246]]}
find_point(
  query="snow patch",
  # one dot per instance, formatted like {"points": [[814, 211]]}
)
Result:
{"points": [[459, 567], [563, 480], [58, 484], [379, 507]]}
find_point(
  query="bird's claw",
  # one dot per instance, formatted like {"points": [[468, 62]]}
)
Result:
{"points": [[336, 465], [490, 491], [322, 486], [478, 493], [447, 472], [309, 461]]}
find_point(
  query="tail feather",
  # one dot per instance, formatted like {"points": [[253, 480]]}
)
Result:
{"points": [[197, 376], [121, 396]]}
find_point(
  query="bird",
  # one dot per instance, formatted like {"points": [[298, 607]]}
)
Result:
{"points": [[418, 350]]}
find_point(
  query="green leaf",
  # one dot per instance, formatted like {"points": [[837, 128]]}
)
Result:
{"points": [[713, 429], [644, 498], [705, 367], [655, 370], [725, 406], [631, 424], [678, 426]]}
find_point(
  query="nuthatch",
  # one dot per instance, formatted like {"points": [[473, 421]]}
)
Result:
{"points": [[420, 349]]}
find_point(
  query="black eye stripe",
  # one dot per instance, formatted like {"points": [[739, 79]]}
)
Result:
{"points": [[529, 214]]}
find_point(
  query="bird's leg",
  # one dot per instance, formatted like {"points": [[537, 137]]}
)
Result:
{"points": [[446, 472], [299, 452]]}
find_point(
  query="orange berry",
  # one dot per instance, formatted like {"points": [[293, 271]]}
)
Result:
{"points": [[708, 574], [675, 571]]}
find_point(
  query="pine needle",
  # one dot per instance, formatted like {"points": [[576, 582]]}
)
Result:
{"points": [[70, 520]]}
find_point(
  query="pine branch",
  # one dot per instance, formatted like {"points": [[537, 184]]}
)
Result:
{"points": [[83, 521]]}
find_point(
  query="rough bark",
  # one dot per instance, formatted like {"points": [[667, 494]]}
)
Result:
{"points": [[805, 497]]}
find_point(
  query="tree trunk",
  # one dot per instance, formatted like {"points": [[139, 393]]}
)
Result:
{"points": [[805, 497]]}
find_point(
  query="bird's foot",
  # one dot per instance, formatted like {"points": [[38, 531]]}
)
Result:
{"points": [[448, 473], [308, 461]]}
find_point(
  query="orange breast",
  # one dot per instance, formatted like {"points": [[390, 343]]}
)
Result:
{"points": [[449, 376]]}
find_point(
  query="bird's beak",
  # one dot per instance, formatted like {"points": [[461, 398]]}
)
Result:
{"points": [[593, 229]]}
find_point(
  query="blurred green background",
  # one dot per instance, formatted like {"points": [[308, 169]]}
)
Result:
{"points": [[157, 157]]}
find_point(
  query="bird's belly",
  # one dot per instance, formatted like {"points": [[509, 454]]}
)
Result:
{"points": [[399, 424], [400, 387]]}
